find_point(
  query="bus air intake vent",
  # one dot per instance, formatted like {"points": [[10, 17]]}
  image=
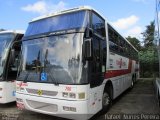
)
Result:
{"points": [[43, 92], [47, 107]]}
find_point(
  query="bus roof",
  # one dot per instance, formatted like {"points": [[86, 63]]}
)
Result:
{"points": [[12, 31], [64, 12]]}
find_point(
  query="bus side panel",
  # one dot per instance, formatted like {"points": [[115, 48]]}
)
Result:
{"points": [[95, 99], [7, 93], [120, 84], [119, 72]]}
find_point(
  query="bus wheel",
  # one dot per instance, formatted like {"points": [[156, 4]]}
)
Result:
{"points": [[106, 101], [132, 84], [158, 99]]}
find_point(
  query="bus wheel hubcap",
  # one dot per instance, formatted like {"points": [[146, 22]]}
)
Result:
{"points": [[132, 83], [106, 99]]}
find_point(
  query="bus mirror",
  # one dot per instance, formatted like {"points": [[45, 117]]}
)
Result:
{"points": [[89, 33], [12, 56], [87, 47]]}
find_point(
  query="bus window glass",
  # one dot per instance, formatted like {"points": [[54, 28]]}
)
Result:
{"points": [[4, 43], [62, 22], [98, 25], [113, 40], [58, 56]]}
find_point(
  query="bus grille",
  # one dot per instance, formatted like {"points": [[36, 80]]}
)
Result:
{"points": [[47, 107], [44, 92]]}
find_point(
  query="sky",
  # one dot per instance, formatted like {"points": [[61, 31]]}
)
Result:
{"points": [[129, 17]]}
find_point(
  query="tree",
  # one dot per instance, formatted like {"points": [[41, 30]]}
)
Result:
{"points": [[135, 42], [148, 55], [148, 62], [148, 35]]}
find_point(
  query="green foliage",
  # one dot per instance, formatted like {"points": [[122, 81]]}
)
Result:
{"points": [[135, 42], [148, 35], [148, 56]]}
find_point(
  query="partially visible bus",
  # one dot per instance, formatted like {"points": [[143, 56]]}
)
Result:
{"points": [[157, 43], [9, 55], [73, 63]]}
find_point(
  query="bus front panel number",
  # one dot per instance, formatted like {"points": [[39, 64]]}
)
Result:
{"points": [[68, 88]]}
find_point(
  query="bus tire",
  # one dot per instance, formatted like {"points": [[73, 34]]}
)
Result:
{"points": [[107, 99], [158, 96], [135, 78], [132, 84]]}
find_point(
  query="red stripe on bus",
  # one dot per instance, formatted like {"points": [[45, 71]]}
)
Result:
{"points": [[115, 73]]}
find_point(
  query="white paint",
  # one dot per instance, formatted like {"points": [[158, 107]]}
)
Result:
{"points": [[7, 92]]}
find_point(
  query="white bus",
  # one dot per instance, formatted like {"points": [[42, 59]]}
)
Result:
{"points": [[73, 63], [9, 64]]}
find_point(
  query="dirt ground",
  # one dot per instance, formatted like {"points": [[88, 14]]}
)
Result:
{"points": [[137, 103]]}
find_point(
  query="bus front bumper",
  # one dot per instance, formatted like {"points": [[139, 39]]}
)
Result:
{"points": [[57, 107]]}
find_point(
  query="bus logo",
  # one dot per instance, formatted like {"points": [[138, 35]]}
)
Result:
{"points": [[39, 92], [121, 63]]}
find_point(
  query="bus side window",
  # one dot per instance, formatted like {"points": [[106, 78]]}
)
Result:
{"points": [[121, 45], [98, 25], [14, 63], [113, 40], [14, 59]]}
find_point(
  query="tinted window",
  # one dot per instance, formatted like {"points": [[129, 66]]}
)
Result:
{"points": [[98, 25], [122, 45], [119, 45], [113, 40], [57, 56], [60, 22]]}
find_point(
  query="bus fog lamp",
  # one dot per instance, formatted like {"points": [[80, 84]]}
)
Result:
{"points": [[72, 109], [65, 108]]}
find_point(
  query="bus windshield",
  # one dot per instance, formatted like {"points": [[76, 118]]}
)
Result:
{"points": [[59, 57], [5, 40], [60, 22]]}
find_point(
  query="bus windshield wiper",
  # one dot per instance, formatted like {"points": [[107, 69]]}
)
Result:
{"points": [[37, 63], [26, 77], [54, 81]]}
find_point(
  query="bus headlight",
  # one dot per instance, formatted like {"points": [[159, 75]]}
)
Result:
{"points": [[68, 95], [19, 89], [72, 95], [19, 100]]}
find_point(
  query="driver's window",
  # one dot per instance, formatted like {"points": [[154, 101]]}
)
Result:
{"points": [[13, 61]]}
